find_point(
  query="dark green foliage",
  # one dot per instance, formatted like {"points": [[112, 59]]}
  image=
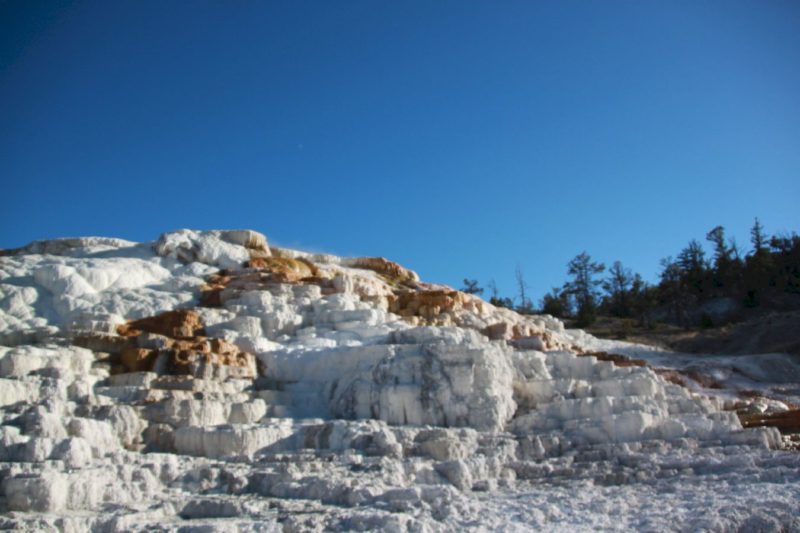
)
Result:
{"points": [[785, 272], [584, 288], [508, 303], [672, 291], [471, 286], [727, 271], [758, 268], [643, 300], [495, 298], [757, 238], [695, 272], [771, 268], [557, 303], [618, 285], [762, 278], [721, 251]]}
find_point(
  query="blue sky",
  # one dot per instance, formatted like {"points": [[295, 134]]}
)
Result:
{"points": [[458, 138]]}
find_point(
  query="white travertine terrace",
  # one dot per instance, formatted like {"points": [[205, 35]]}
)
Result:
{"points": [[296, 391]]}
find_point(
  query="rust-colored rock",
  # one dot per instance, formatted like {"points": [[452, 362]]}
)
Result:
{"points": [[211, 292], [786, 421], [442, 306], [196, 356], [178, 324], [426, 304], [263, 275], [184, 351], [388, 269], [137, 359], [285, 269], [186, 355], [673, 376]]}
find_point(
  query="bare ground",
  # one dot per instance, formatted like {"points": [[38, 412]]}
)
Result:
{"points": [[768, 333]]}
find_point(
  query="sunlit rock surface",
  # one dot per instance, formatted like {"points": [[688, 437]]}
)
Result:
{"points": [[209, 382]]}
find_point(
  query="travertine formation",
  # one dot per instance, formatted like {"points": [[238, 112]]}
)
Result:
{"points": [[209, 381]]}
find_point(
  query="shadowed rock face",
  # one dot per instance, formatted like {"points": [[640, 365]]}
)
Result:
{"points": [[134, 359], [209, 381], [787, 420], [197, 357]]}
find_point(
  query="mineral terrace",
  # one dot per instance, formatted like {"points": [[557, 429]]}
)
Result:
{"points": [[209, 382]]}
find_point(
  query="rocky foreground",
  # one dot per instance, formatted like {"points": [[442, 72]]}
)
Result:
{"points": [[210, 382]]}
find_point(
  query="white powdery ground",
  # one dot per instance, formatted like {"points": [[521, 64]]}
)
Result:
{"points": [[359, 419]]}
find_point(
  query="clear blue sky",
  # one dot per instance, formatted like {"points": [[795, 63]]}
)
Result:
{"points": [[458, 138]]}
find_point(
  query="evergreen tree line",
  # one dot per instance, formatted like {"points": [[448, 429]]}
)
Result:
{"points": [[755, 278]]}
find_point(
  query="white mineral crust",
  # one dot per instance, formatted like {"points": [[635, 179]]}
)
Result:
{"points": [[358, 419]]}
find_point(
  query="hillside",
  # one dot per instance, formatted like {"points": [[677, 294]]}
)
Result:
{"points": [[765, 332], [209, 380]]}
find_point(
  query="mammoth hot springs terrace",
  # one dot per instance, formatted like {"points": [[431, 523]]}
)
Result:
{"points": [[207, 381]]}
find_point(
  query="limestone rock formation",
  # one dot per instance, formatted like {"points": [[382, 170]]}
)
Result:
{"points": [[209, 381]]}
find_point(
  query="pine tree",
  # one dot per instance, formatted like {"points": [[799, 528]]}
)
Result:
{"points": [[727, 263], [583, 288], [556, 303], [471, 287], [722, 253], [786, 258], [498, 301], [694, 269], [757, 238], [642, 300], [672, 290], [618, 285]]}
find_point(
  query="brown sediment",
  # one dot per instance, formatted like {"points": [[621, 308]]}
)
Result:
{"points": [[785, 421], [389, 269], [671, 375], [182, 323], [182, 348], [285, 270], [617, 359]]}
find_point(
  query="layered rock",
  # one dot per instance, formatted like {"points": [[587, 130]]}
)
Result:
{"points": [[390, 270], [179, 324], [209, 380]]}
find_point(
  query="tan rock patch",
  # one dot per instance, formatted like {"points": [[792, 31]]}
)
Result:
{"points": [[389, 269], [137, 359], [182, 323], [284, 269], [183, 350]]}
